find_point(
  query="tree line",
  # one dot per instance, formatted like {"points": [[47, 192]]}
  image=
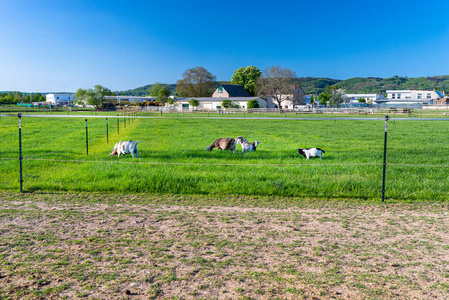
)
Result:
{"points": [[356, 85], [274, 82], [19, 97]]}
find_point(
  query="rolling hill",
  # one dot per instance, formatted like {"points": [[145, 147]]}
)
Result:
{"points": [[362, 85]]}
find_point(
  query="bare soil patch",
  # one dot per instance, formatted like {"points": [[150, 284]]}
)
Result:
{"points": [[161, 247]]}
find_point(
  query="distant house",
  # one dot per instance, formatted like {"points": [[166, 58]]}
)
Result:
{"points": [[215, 103], [230, 90], [290, 101], [60, 99], [413, 96], [370, 98], [235, 93]]}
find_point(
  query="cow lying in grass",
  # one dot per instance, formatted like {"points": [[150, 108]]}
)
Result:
{"points": [[223, 144], [124, 148], [311, 152]]}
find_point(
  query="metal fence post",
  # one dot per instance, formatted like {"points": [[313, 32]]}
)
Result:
{"points": [[87, 140], [107, 132], [385, 159], [118, 125], [20, 152]]}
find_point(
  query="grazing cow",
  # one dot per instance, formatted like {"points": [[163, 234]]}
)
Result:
{"points": [[311, 152], [223, 144], [124, 148]]}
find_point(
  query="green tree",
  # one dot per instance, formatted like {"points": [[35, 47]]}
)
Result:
{"points": [[194, 103], [162, 95], [247, 77], [326, 95], [95, 97], [313, 100], [253, 104], [229, 104], [9, 99], [196, 82], [226, 103], [361, 99], [26, 98], [155, 88], [171, 101], [36, 97]]}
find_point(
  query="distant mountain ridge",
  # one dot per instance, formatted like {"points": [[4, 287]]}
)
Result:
{"points": [[356, 85]]}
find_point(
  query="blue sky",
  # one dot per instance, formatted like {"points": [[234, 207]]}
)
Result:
{"points": [[65, 45]]}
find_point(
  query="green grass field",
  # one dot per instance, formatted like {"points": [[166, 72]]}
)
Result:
{"points": [[174, 160]]}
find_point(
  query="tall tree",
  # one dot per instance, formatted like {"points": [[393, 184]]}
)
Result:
{"points": [[196, 82], [275, 83], [247, 77], [333, 95], [162, 95], [95, 97], [155, 88]]}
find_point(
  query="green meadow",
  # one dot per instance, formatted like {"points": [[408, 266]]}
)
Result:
{"points": [[174, 159]]}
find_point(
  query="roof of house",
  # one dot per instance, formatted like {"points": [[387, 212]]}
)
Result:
{"points": [[235, 90], [219, 99]]}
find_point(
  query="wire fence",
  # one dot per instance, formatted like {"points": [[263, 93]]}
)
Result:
{"points": [[343, 175], [400, 110]]}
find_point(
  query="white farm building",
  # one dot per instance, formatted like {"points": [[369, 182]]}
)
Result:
{"points": [[215, 103], [235, 93], [370, 98], [413, 96], [60, 99]]}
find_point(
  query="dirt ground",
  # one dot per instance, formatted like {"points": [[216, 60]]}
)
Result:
{"points": [[56, 246]]}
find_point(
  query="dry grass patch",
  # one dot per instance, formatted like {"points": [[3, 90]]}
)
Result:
{"points": [[158, 247]]}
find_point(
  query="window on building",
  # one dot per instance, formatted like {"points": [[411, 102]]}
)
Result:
{"points": [[393, 96], [429, 96], [419, 96], [220, 89], [57, 98], [399, 96]]}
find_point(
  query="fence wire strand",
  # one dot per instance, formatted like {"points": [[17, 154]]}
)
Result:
{"points": [[194, 164], [221, 164]]}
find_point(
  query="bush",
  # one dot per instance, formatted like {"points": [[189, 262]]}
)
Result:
{"points": [[194, 102], [226, 103], [253, 104]]}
